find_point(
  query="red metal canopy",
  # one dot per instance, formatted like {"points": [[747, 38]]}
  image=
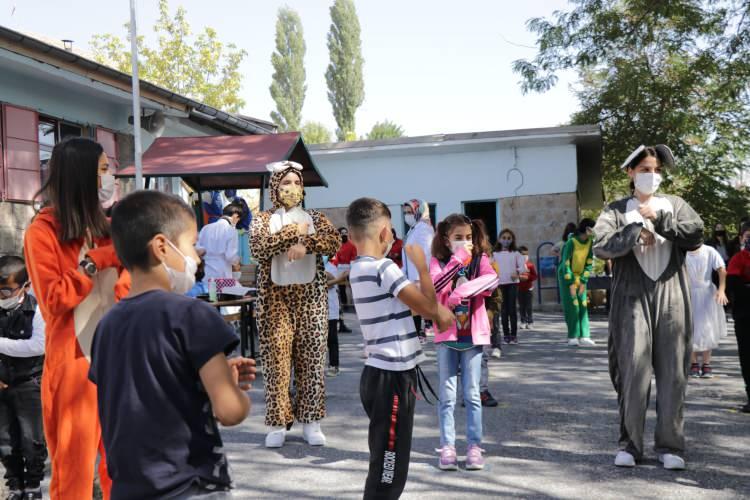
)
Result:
{"points": [[225, 161]]}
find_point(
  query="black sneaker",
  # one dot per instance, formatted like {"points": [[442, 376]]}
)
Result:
{"points": [[487, 399], [507, 339], [746, 408], [343, 328], [16, 495]]}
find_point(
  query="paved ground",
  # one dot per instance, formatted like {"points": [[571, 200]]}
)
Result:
{"points": [[553, 436]]}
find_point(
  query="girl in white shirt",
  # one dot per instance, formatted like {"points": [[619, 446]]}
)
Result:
{"points": [[511, 264]]}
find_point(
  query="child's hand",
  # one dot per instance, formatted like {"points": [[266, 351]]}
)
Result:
{"points": [[416, 256], [573, 290], [463, 254], [3, 385], [721, 298], [444, 318], [303, 228], [243, 372]]}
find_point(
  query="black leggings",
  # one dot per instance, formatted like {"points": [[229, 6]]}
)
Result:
{"points": [[333, 342], [388, 399], [510, 309], [742, 331]]}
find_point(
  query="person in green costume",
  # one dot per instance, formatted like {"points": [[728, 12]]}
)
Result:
{"points": [[576, 262]]}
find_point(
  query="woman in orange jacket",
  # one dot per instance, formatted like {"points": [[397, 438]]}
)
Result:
{"points": [[76, 277]]}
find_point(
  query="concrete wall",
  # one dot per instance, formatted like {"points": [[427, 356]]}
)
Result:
{"points": [[447, 179], [14, 217]]}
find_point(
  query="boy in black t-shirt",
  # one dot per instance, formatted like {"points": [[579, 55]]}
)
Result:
{"points": [[159, 362]]}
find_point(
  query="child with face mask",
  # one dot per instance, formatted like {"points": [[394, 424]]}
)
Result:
{"points": [[573, 273], [463, 278], [646, 236], [22, 447], [159, 361], [511, 264]]}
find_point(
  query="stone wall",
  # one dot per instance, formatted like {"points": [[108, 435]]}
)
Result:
{"points": [[14, 218], [539, 219]]}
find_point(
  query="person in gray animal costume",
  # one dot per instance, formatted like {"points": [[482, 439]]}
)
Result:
{"points": [[646, 236]]}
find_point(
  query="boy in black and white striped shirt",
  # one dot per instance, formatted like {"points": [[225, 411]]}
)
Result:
{"points": [[384, 300]]}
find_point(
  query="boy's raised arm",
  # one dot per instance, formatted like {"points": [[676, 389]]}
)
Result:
{"points": [[422, 300]]}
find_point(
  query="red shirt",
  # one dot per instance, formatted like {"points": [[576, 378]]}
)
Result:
{"points": [[739, 265], [347, 253], [531, 276], [395, 253]]}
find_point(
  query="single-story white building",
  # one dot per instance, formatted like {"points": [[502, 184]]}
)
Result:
{"points": [[532, 181]]}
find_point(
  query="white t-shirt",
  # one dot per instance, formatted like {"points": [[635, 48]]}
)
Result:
{"points": [[221, 243], [509, 263], [701, 263], [333, 293], [391, 341]]}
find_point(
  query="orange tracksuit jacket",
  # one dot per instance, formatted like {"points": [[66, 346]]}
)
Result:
{"points": [[69, 404]]}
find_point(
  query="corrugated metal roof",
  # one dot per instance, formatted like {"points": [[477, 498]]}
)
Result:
{"points": [[235, 122]]}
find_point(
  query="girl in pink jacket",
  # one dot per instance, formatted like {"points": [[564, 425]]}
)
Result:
{"points": [[463, 277]]}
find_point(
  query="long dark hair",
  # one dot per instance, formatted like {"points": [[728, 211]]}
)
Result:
{"points": [[570, 228], [512, 247], [440, 249], [72, 189], [483, 238]]}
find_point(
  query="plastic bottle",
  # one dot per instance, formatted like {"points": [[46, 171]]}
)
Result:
{"points": [[212, 296]]}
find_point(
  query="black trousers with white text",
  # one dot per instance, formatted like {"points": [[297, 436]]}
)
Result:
{"points": [[388, 398]]}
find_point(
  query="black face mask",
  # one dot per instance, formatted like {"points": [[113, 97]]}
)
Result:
{"points": [[344, 238], [721, 234]]}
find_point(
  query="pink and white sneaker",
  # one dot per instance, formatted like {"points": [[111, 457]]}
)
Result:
{"points": [[474, 458], [448, 459]]}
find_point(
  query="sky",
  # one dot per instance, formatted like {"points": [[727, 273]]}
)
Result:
{"points": [[438, 66]]}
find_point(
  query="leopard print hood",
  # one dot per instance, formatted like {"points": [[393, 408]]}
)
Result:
{"points": [[277, 174]]}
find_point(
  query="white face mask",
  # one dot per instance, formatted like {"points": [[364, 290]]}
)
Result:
{"points": [[410, 220], [455, 245], [181, 281], [647, 183], [107, 189], [11, 302]]}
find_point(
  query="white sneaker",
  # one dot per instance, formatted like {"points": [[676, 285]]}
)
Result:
{"points": [[313, 435], [624, 459], [586, 342], [572, 342], [276, 438], [528, 326], [672, 462], [496, 353]]}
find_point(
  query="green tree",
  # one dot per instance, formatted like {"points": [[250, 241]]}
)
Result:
{"points": [[658, 72], [346, 88], [385, 130], [288, 87], [315, 133], [201, 67]]}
